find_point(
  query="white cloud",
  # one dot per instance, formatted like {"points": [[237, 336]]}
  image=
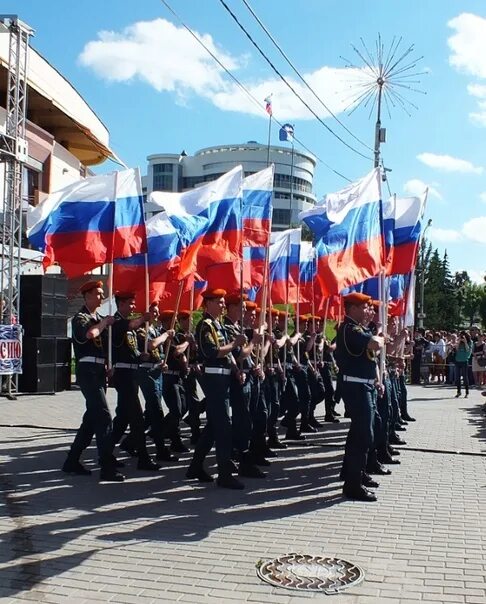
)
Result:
{"points": [[447, 163], [444, 235], [477, 90], [468, 46], [482, 197], [475, 229], [416, 187], [169, 59]]}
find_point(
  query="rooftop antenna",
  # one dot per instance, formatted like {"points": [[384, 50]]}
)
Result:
{"points": [[383, 75]]}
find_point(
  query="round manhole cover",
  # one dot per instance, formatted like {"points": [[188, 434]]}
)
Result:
{"points": [[310, 573]]}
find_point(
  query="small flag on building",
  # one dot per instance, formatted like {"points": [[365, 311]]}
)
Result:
{"points": [[268, 104], [286, 133]]}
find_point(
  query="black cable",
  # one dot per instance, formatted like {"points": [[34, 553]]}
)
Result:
{"points": [[235, 18], [301, 78], [245, 90]]}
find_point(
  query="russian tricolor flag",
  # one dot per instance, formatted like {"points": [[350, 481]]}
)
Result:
{"points": [[208, 222], [284, 257], [162, 258], [348, 230], [307, 272], [90, 222], [257, 211], [402, 226], [257, 208]]}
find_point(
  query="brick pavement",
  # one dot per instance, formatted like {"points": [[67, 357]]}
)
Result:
{"points": [[161, 539]]}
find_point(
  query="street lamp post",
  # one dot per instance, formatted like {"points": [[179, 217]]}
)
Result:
{"points": [[421, 314]]}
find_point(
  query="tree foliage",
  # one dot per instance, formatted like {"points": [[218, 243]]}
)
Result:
{"points": [[450, 300]]}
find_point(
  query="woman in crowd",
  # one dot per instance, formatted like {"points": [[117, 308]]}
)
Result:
{"points": [[463, 352], [439, 352], [478, 354]]}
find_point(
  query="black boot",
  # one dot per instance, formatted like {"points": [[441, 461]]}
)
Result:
{"points": [[74, 466], [227, 481], [197, 471], [292, 433], [358, 493], [163, 454]]}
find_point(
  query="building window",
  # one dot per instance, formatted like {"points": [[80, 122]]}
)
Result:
{"points": [[281, 216], [163, 168], [282, 181], [162, 182]]}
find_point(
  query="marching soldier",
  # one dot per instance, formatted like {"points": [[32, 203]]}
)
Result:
{"points": [[194, 405], [274, 383], [173, 385], [126, 361], [90, 341], [216, 353], [150, 379], [356, 348], [241, 393]]}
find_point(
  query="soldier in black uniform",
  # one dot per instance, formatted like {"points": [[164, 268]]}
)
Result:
{"points": [[326, 365], [126, 360], [355, 354], [90, 341], [241, 393], [216, 353], [194, 404], [150, 379], [301, 373], [290, 397], [173, 385], [274, 383], [314, 378]]}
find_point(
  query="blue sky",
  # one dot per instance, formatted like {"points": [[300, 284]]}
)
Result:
{"points": [[157, 91]]}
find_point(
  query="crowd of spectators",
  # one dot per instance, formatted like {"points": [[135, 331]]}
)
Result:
{"points": [[449, 357]]}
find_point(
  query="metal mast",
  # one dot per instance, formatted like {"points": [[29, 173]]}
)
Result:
{"points": [[13, 154]]}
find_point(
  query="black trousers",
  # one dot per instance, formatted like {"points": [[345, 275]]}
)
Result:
{"points": [[359, 400], [462, 370], [150, 382], [91, 378], [241, 418], [175, 399], [217, 430], [129, 410]]}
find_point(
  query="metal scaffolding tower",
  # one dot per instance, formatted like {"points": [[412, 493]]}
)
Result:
{"points": [[13, 155]]}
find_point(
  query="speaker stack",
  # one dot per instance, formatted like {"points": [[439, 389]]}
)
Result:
{"points": [[46, 358]]}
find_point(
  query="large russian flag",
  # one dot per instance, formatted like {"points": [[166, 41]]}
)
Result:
{"points": [[161, 260], [348, 230], [402, 226], [284, 258], [90, 222], [257, 208], [307, 272], [208, 222]]}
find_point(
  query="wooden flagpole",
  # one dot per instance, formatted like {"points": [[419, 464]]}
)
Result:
{"points": [[110, 284], [147, 301]]}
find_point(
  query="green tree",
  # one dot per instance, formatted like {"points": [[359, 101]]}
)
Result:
{"points": [[473, 295]]}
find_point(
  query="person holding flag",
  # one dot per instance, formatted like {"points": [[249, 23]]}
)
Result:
{"points": [[356, 348], [216, 354], [126, 361], [90, 343]]}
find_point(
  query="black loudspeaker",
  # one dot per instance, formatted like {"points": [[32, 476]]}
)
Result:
{"points": [[63, 364], [39, 378], [46, 365], [43, 305]]}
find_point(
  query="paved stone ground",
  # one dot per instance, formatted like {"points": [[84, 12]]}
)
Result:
{"points": [[161, 539]]}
